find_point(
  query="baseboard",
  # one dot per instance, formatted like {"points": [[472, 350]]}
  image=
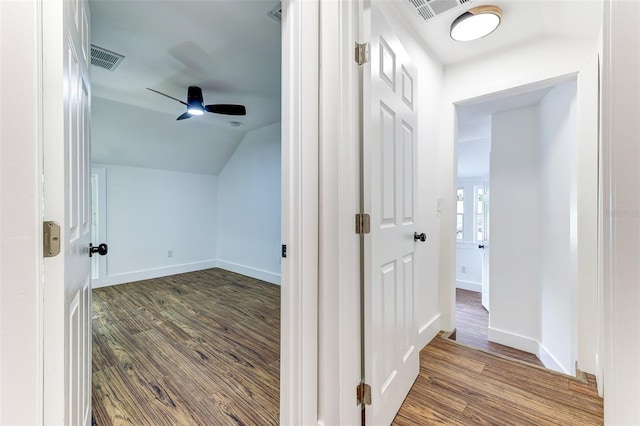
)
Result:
{"points": [[148, 274], [428, 331], [258, 274], [550, 361], [468, 285], [513, 340]]}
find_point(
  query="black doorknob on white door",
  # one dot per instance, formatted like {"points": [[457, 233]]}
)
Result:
{"points": [[101, 249], [419, 237]]}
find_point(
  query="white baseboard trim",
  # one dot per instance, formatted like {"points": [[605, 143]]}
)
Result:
{"points": [[513, 340], [468, 285], [258, 274], [148, 274], [428, 331], [550, 361]]}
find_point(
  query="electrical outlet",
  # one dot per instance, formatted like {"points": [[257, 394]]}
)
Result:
{"points": [[463, 269], [170, 253]]}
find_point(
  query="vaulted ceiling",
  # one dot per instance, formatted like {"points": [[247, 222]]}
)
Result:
{"points": [[229, 48]]}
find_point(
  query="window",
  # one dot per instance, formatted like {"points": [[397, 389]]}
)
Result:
{"points": [[460, 214], [480, 214]]}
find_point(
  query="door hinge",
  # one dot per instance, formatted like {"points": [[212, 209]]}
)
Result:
{"points": [[363, 394], [362, 53], [50, 239], [363, 223]]}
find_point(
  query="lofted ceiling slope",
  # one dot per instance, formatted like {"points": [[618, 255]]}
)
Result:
{"points": [[229, 48]]}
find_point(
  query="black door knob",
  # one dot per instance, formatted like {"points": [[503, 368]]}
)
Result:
{"points": [[419, 237], [480, 246], [101, 249]]}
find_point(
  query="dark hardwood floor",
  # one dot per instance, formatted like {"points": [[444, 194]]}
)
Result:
{"points": [[459, 385], [201, 348], [472, 323]]}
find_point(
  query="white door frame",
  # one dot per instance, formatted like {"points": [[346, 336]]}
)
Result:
{"points": [[299, 297], [21, 356], [620, 189], [320, 335]]}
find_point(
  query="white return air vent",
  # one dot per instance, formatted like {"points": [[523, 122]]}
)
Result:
{"points": [[429, 9], [104, 58]]}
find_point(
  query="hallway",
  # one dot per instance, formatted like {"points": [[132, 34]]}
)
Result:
{"points": [[458, 385]]}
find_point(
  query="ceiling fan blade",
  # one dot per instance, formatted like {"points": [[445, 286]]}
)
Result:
{"points": [[184, 116], [227, 109], [170, 97]]}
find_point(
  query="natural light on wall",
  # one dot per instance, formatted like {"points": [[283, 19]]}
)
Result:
{"points": [[476, 23]]}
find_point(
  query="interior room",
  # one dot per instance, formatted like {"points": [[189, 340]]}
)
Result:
{"points": [[254, 217], [189, 207], [523, 192]]}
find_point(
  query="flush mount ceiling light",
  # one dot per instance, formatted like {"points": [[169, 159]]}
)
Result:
{"points": [[476, 23]]}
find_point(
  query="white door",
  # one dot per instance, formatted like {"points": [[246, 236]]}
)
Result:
{"points": [[67, 277], [486, 247], [391, 359]]}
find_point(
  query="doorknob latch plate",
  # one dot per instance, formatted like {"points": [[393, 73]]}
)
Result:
{"points": [[50, 239]]}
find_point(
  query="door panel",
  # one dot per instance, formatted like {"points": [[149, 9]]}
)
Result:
{"points": [[389, 168], [67, 277]]}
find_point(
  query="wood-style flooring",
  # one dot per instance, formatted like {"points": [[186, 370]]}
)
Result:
{"points": [[201, 348], [459, 385], [472, 323]]}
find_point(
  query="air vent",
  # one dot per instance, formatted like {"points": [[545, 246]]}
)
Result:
{"points": [[104, 58], [429, 9], [276, 13]]}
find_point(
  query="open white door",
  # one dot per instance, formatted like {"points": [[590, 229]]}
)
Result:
{"points": [[67, 276], [486, 247], [391, 358]]}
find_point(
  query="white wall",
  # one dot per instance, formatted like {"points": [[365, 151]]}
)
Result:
{"points": [[514, 257], [469, 82], [473, 157], [152, 211], [248, 220], [557, 233]]}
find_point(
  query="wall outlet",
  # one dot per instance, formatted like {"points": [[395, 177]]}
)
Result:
{"points": [[463, 269], [170, 253]]}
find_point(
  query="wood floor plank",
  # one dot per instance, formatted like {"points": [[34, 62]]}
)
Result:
{"points": [[504, 392], [192, 349]]}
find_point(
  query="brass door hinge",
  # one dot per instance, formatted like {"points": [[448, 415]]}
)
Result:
{"points": [[362, 53], [363, 394], [363, 223]]}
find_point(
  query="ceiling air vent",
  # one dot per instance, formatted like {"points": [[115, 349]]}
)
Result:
{"points": [[429, 9], [104, 58], [276, 13]]}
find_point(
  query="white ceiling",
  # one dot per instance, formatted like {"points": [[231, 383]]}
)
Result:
{"points": [[523, 21], [231, 49]]}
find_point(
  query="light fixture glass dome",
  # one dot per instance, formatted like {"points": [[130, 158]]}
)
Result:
{"points": [[195, 108], [476, 23]]}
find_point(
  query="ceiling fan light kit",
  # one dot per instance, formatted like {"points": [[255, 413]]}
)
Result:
{"points": [[195, 104], [476, 23]]}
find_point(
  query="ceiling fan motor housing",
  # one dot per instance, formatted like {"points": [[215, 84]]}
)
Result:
{"points": [[194, 96]]}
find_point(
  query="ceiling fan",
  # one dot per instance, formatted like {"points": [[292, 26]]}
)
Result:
{"points": [[195, 104]]}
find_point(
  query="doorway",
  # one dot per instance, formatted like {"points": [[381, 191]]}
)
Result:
{"points": [[191, 195], [530, 171]]}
